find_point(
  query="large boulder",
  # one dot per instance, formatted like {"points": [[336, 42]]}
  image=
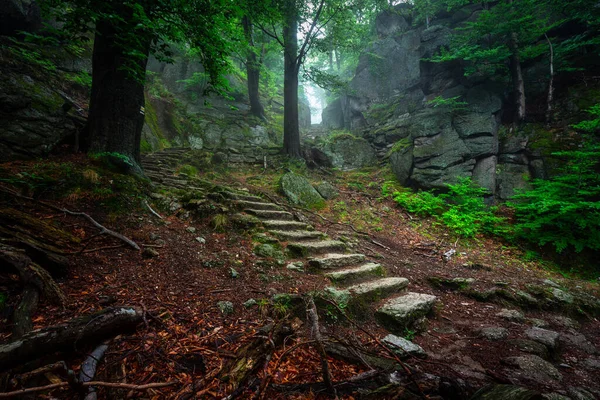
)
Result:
{"points": [[349, 152], [299, 191]]}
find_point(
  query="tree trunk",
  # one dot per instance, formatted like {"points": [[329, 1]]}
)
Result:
{"points": [[517, 78], [253, 72], [338, 60], [116, 115], [331, 60], [291, 128], [550, 83]]}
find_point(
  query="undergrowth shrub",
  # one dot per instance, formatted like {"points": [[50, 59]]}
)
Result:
{"points": [[462, 208], [564, 211]]}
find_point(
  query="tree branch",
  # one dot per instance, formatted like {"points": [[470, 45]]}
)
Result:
{"points": [[308, 38]]}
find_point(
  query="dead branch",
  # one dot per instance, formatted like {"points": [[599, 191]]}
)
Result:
{"points": [[20, 379], [313, 317], [151, 210], [87, 384], [103, 229]]}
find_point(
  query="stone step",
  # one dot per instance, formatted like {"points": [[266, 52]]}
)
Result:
{"points": [[378, 289], [298, 235], [304, 249], [402, 312], [332, 261], [271, 214], [241, 196], [356, 273], [255, 205], [286, 225]]}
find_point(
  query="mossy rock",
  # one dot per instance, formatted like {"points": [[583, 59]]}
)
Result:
{"points": [[268, 250], [299, 191]]}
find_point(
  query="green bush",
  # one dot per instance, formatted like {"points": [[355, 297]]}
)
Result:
{"points": [[564, 211], [461, 209]]}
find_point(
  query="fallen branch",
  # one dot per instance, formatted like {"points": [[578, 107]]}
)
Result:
{"points": [[103, 229], [65, 337], [87, 384], [151, 210], [22, 378]]}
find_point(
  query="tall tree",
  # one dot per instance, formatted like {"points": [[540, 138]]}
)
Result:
{"points": [[253, 67], [294, 16], [125, 33]]}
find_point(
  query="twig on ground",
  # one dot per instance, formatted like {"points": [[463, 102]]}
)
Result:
{"points": [[267, 380], [103, 229], [151, 210], [86, 384]]}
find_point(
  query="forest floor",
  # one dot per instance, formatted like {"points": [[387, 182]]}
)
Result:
{"points": [[193, 267]]}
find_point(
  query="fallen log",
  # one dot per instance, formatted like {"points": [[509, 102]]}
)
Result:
{"points": [[67, 337]]}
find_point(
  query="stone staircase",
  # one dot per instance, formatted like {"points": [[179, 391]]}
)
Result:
{"points": [[355, 279]]}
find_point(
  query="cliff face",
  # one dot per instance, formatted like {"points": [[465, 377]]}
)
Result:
{"points": [[393, 102]]}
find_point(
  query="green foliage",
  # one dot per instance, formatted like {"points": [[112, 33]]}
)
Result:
{"points": [[452, 102], [564, 211], [590, 126], [32, 56], [82, 78], [114, 160], [422, 203], [462, 208]]}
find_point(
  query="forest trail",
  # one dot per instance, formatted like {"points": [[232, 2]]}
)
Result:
{"points": [[454, 307], [357, 281]]}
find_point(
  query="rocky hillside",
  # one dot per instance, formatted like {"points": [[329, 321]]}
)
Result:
{"points": [[435, 124]]}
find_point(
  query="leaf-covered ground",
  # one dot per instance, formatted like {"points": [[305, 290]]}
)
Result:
{"points": [[191, 267]]}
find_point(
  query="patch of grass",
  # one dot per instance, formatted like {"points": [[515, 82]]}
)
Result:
{"points": [[188, 170], [219, 222]]}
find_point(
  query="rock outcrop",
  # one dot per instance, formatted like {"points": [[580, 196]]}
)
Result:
{"points": [[35, 115], [433, 123]]}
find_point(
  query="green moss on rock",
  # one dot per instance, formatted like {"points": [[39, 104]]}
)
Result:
{"points": [[299, 191]]}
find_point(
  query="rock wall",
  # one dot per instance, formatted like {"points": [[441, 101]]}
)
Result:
{"points": [[35, 114], [430, 144]]}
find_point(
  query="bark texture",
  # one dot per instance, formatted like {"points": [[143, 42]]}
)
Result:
{"points": [[517, 78], [291, 127], [116, 115], [253, 64]]}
